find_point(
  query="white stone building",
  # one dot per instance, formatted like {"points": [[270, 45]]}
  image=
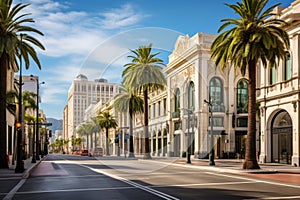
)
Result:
{"points": [[192, 78], [279, 98], [81, 94]]}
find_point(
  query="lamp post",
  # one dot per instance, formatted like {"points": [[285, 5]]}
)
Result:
{"points": [[211, 152], [37, 145], [20, 167]]}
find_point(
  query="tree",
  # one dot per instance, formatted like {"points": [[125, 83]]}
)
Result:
{"points": [[28, 99], [144, 75], [85, 130], [76, 142], [254, 37], [95, 128], [13, 22], [129, 102], [107, 121]]}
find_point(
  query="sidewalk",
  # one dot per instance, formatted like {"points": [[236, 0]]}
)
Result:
{"points": [[221, 165], [5, 173]]}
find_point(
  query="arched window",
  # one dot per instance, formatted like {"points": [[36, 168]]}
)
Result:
{"points": [[216, 94], [287, 66], [272, 77], [176, 103], [242, 96], [191, 96]]}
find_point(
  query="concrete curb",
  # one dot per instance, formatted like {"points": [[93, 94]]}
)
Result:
{"points": [[28, 171], [217, 169]]}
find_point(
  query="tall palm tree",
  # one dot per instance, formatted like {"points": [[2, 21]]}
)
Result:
{"points": [[107, 121], [129, 102], [13, 22], [28, 99], [254, 37], [144, 75], [85, 130], [95, 129]]}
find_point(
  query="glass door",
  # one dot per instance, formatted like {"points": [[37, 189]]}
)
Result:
{"points": [[285, 148]]}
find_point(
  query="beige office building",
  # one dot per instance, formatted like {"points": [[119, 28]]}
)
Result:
{"points": [[81, 94]]}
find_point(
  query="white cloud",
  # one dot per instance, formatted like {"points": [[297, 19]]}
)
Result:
{"points": [[121, 17], [70, 36]]}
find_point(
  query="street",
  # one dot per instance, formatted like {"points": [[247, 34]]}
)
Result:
{"points": [[81, 177]]}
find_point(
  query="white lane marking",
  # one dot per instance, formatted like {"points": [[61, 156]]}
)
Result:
{"points": [[145, 188], [75, 190], [255, 180], [122, 188], [11, 193], [11, 178], [288, 197], [205, 184]]}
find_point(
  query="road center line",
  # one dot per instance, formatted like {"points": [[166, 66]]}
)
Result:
{"points": [[145, 188]]}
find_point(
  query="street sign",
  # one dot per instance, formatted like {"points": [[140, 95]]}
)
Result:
{"points": [[41, 124], [45, 124]]}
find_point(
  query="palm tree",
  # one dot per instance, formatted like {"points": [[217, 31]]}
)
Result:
{"points": [[95, 129], [76, 142], [28, 99], [107, 121], [129, 102], [144, 75], [85, 130], [253, 37], [13, 23]]}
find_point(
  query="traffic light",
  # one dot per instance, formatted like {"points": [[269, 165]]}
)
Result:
{"points": [[50, 133], [18, 125]]}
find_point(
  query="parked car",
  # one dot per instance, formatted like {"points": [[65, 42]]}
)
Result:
{"points": [[97, 152], [84, 152], [76, 152]]}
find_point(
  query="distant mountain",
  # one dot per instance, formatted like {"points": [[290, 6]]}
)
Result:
{"points": [[56, 124]]}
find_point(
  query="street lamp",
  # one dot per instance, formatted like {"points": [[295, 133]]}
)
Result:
{"points": [[211, 152], [20, 167], [37, 146]]}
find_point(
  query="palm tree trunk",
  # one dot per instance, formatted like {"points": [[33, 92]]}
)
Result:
{"points": [[107, 147], [3, 85], [87, 141], [131, 149], [95, 139], [146, 130], [250, 157]]}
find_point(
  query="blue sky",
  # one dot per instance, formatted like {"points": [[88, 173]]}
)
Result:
{"points": [[93, 37]]}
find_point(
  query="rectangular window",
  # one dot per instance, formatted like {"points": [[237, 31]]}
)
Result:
{"points": [[154, 114], [165, 106], [159, 108], [242, 122]]}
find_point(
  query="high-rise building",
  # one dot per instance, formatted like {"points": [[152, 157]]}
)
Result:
{"points": [[81, 94]]}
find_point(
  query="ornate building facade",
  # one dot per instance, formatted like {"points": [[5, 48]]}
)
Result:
{"points": [[279, 96], [192, 79]]}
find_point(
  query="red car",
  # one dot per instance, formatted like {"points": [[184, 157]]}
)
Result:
{"points": [[84, 153], [76, 152]]}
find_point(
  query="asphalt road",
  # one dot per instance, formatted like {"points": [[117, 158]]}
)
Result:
{"points": [[76, 177]]}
